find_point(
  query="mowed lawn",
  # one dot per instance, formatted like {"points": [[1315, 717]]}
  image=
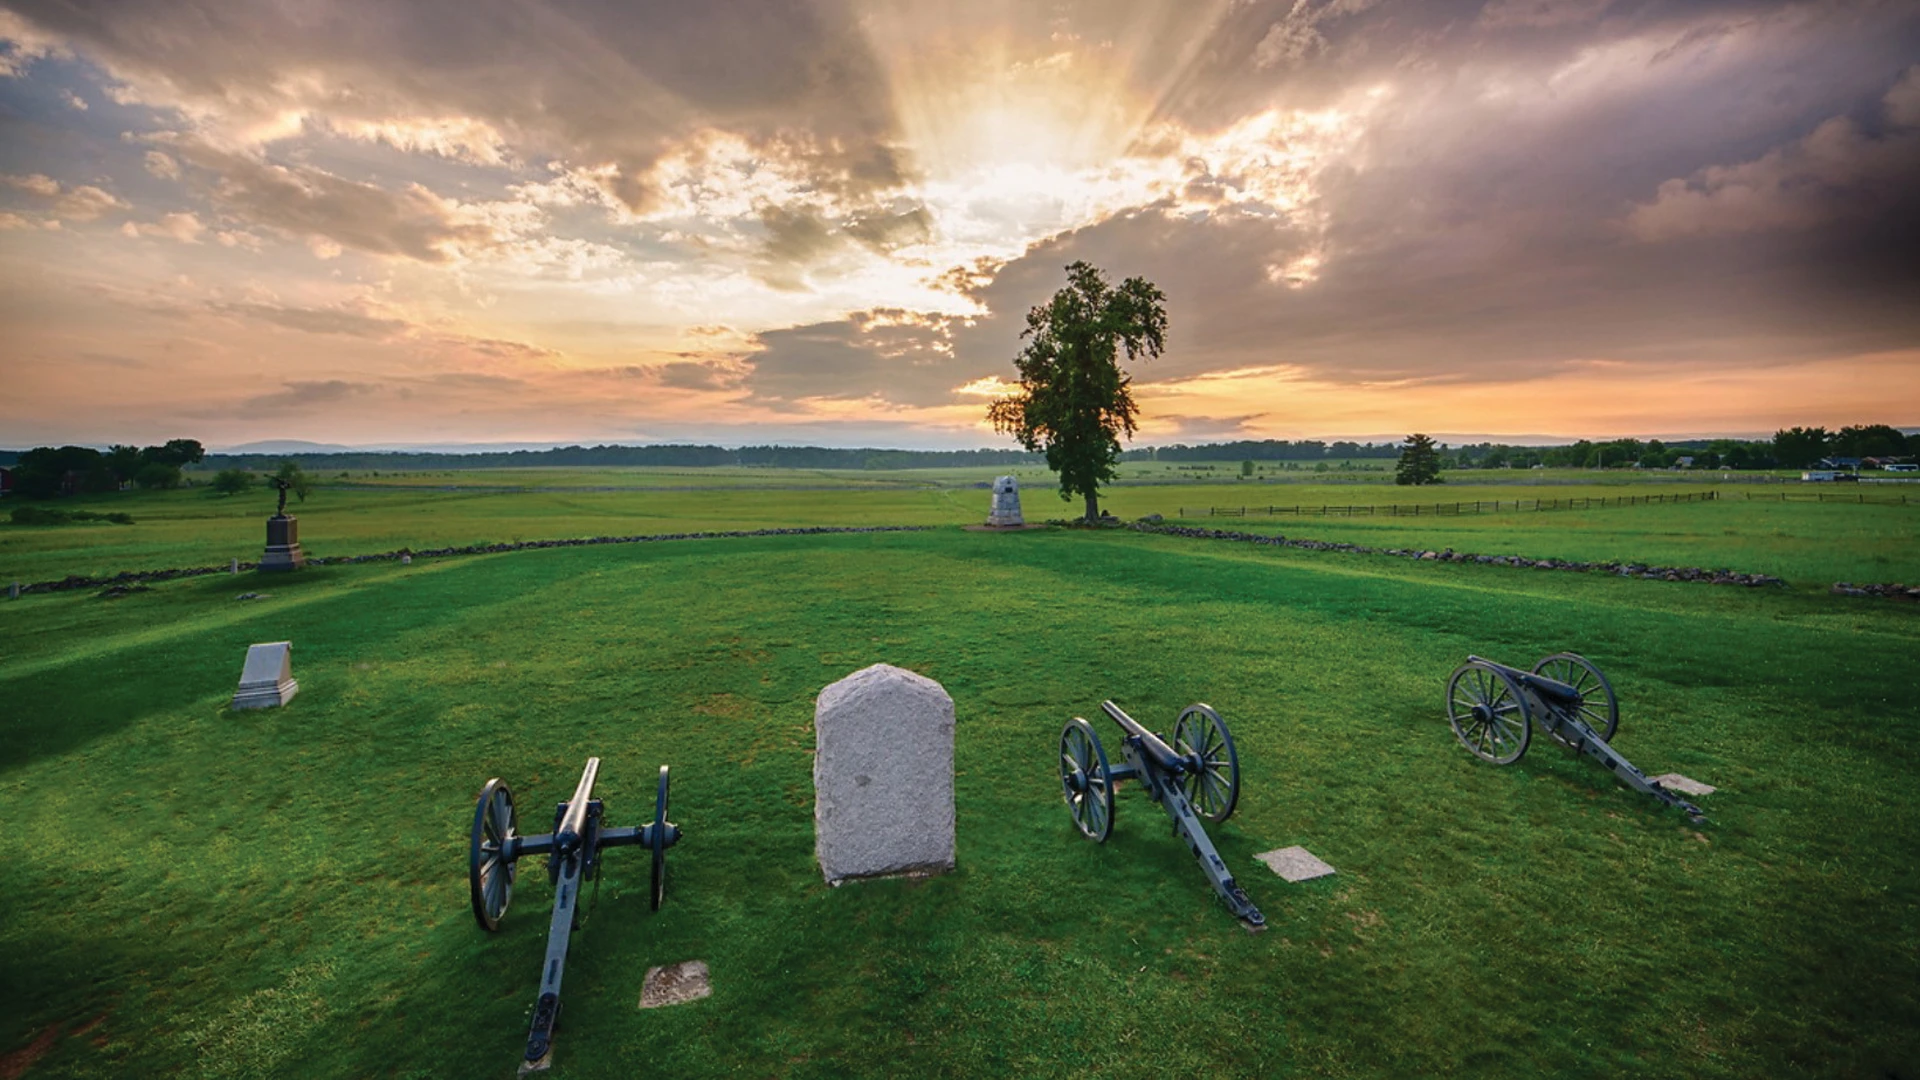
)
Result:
{"points": [[283, 893]]}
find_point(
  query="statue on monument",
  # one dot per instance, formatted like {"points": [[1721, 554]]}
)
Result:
{"points": [[283, 534]]}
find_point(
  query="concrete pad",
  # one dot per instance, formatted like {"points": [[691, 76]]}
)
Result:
{"points": [[1294, 864], [675, 984], [1673, 781]]}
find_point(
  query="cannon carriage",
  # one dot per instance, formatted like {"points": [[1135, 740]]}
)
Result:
{"points": [[572, 851], [1194, 775], [1494, 710]]}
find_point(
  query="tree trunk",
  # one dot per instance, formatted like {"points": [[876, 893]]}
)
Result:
{"points": [[1093, 508]]}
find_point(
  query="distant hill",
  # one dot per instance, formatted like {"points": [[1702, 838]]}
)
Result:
{"points": [[287, 446]]}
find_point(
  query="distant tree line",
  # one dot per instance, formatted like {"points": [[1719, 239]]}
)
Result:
{"points": [[1790, 448], [47, 471], [671, 455]]}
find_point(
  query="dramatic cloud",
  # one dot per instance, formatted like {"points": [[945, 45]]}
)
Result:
{"points": [[526, 219], [1837, 171], [600, 84], [310, 203], [891, 356]]}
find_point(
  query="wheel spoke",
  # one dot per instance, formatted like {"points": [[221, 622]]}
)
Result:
{"points": [[1214, 788]]}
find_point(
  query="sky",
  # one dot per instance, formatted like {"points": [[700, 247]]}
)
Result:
{"points": [[494, 221]]}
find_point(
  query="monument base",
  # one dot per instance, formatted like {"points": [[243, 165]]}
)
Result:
{"points": [[283, 544], [282, 557], [265, 695], [267, 679]]}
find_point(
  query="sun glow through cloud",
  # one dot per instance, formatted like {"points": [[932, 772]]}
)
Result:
{"points": [[1366, 216]]}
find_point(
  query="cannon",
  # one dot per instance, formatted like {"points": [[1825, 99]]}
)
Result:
{"points": [[573, 858], [1196, 775], [1494, 708]]}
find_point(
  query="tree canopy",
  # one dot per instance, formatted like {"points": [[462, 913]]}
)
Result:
{"points": [[1419, 462], [1074, 402], [1799, 447]]}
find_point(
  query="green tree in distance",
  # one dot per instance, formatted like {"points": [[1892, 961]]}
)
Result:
{"points": [[1074, 402], [182, 452], [1799, 447], [232, 481], [125, 462], [1419, 462], [158, 476], [1870, 440], [297, 480]]}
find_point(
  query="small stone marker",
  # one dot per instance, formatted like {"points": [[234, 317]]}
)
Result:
{"points": [[883, 775], [267, 680], [1006, 503], [1673, 781], [13, 591], [675, 984], [233, 567], [1294, 864]]}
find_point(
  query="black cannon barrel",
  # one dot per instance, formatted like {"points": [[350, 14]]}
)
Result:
{"points": [[573, 827], [1552, 688], [1150, 744]]}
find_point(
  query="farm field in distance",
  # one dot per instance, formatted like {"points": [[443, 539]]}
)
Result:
{"points": [[282, 893], [1809, 544]]}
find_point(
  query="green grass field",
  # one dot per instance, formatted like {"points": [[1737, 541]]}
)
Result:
{"points": [[1811, 545], [282, 893]]}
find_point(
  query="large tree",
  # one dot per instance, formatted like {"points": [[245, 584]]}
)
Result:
{"points": [[1419, 462], [1799, 447], [1074, 403], [1870, 440]]}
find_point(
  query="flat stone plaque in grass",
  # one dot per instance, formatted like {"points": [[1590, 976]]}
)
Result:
{"points": [[1294, 864], [1673, 781], [675, 984]]}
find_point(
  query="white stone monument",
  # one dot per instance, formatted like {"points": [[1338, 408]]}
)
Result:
{"points": [[267, 680], [1006, 503], [883, 775]]}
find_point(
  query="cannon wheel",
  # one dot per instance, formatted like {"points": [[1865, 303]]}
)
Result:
{"points": [[1083, 780], [659, 843], [1488, 713], [1578, 672], [489, 876], [1215, 789]]}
